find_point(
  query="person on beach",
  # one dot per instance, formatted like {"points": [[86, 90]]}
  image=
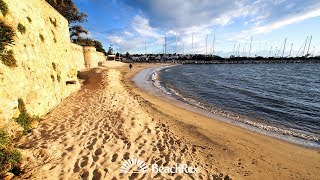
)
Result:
{"points": [[130, 66]]}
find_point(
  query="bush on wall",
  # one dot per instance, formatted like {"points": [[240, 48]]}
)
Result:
{"points": [[21, 28], [3, 8], [6, 39]]}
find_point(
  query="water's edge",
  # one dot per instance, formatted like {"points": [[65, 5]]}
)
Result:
{"points": [[149, 81]]}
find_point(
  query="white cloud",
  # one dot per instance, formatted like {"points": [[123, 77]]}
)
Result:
{"points": [[279, 23]]}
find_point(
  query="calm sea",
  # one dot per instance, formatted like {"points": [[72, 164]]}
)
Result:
{"points": [[283, 98]]}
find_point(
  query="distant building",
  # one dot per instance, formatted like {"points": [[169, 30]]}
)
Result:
{"points": [[111, 57]]}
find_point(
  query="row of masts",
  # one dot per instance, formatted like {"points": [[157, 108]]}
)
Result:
{"points": [[304, 50]]}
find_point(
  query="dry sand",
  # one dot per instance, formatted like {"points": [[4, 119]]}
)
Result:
{"points": [[91, 133]]}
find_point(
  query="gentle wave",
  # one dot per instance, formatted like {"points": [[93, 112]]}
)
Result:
{"points": [[239, 118]]}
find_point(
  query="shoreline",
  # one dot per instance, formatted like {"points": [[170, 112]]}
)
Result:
{"points": [[144, 80], [210, 127], [110, 120]]}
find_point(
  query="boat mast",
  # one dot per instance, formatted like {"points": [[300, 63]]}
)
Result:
{"points": [[165, 45], [290, 49], [270, 51], [176, 45], [284, 47], [309, 46], [206, 44], [192, 44], [305, 45], [214, 39], [250, 47]]}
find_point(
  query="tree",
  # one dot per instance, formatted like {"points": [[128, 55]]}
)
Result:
{"points": [[127, 55], [84, 42], [70, 11], [110, 51], [99, 47], [76, 31]]}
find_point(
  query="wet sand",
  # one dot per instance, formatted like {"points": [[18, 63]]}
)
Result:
{"points": [[91, 133]]}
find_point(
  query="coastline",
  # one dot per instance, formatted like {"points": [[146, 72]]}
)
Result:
{"points": [[147, 82], [110, 120], [234, 136]]}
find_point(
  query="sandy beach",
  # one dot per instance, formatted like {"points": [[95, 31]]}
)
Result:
{"points": [[91, 134]]}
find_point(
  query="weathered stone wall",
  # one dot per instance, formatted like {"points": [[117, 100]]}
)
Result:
{"points": [[44, 57], [90, 57], [101, 57], [78, 56]]}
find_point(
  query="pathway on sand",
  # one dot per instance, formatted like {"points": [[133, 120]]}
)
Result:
{"points": [[91, 133]]}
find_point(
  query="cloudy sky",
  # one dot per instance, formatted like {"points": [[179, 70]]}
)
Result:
{"points": [[132, 25]]}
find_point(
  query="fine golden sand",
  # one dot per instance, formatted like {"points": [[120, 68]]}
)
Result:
{"points": [[91, 133]]}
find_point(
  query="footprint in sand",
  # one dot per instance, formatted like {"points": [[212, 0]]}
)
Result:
{"points": [[114, 157], [90, 147], [126, 156], [96, 175], [84, 161], [98, 152]]}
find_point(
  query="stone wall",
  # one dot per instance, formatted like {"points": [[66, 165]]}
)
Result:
{"points": [[101, 57], [78, 56], [44, 57], [91, 57]]}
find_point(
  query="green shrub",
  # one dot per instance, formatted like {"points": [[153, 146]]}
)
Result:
{"points": [[21, 106], [41, 37], [54, 40], [10, 158], [58, 78], [21, 28], [29, 19], [6, 39], [4, 138], [6, 36], [8, 59], [4, 8], [24, 118]]}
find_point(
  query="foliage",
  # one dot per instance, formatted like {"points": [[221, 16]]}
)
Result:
{"points": [[117, 54], [10, 158], [29, 19], [84, 42], [21, 28], [4, 8], [58, 77], [127, 55], [6, 36], [110, 51], [99, 47], [41, 37], [24, 119], [76, 31], [70, 11], [8, 59], [21, 106]]}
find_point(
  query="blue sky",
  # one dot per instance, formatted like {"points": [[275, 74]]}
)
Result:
{"points": [[131, 24]]}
